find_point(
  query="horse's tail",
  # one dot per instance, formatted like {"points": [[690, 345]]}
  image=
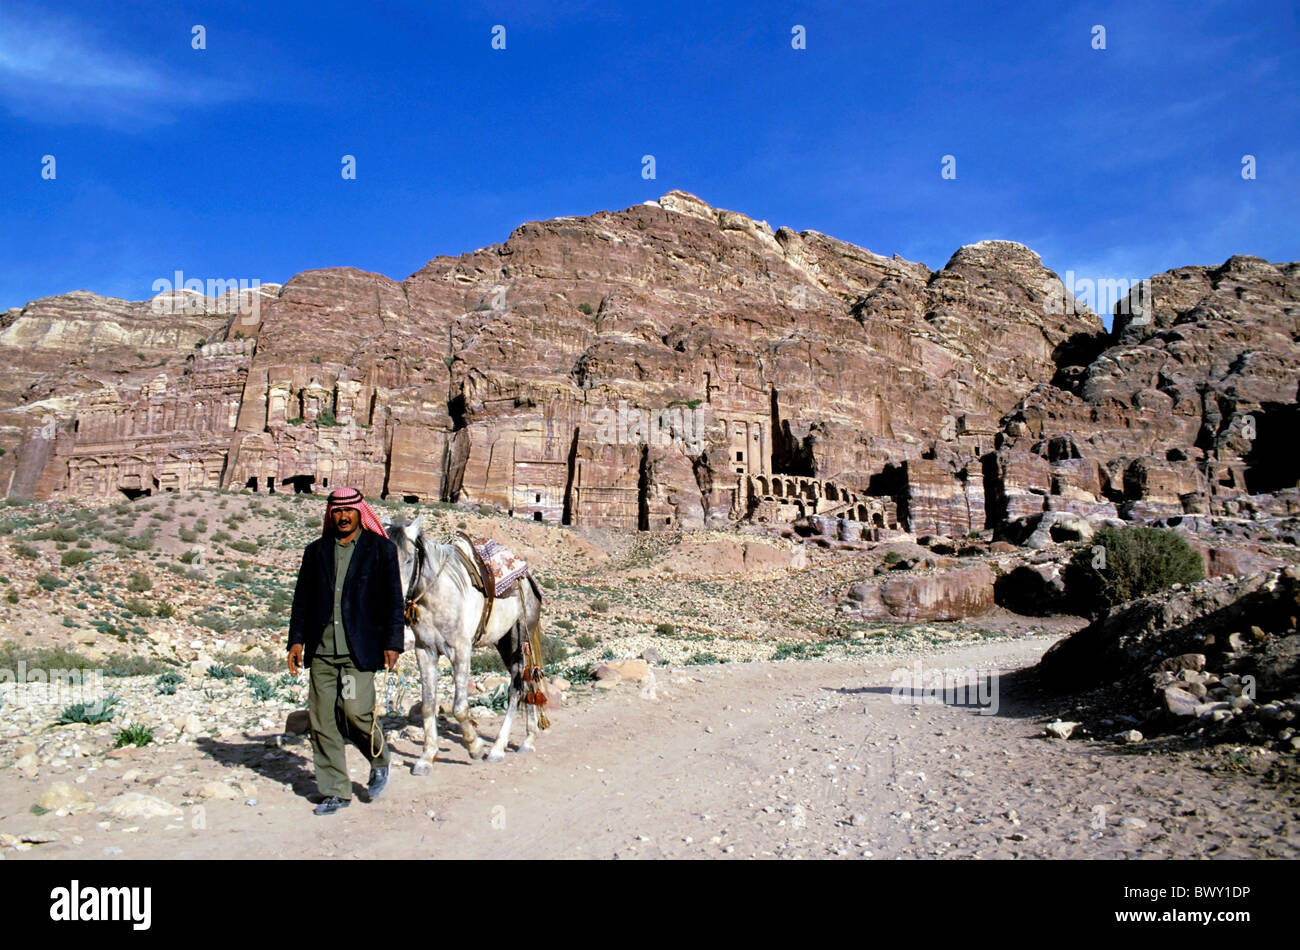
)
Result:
{"points": [[533, 676]]}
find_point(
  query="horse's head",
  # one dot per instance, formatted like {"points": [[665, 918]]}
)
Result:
{"points": [[406, 537]]}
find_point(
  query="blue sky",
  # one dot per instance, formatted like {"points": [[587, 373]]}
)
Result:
{"points": [[225, 162]]}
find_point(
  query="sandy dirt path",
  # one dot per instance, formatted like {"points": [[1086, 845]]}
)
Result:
{"points": [[811, 759]]}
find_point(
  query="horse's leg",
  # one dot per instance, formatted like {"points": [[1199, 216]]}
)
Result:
{"points": [[460, 703], [428, 708], [530, 620], [512, 655]]}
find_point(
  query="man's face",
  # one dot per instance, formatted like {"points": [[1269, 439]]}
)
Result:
{"points": [[346, 520]]}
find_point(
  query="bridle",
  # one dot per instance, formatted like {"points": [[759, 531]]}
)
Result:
{"points": [[412, 612]]}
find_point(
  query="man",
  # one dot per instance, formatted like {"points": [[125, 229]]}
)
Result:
{"points": [[347, 618]]}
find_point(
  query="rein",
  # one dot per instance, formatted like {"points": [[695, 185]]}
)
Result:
{"points": [[412, 611]]}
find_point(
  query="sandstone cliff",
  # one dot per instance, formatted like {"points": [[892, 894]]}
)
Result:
{"points": [[674, 365]]}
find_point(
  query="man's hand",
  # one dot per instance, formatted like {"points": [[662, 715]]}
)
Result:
{"points": [[390, 659], [295, 658]]}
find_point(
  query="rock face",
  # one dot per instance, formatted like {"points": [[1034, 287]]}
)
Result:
{"points": [[674, 365], [952, 594]]}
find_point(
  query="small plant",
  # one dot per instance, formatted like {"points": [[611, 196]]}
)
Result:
{"points": [[136, 734], [599, 605], [565, 624], [139, 607], [486, 663], [164, 609], [50, 581], [244, 547], [704, 659], [665, 629], [586, 308], [608, 654], [586, 641], [893, 557], [139, 582], [12, 597], [26, 551], [262, 688], [90, 713], [168, 682], [219, 671], [583, 673]]}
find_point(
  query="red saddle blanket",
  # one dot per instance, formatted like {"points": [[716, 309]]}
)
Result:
{"points": [[506, 568]]}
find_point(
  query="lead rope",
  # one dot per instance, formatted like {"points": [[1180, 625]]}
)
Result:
{"points": [[374, 718]]}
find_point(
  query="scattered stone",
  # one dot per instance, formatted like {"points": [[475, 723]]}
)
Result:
{"points": [[1061, 730], [61, 795], [131, 806]]}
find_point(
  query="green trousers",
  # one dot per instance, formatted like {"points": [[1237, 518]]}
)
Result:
{"points": [[341, 705]]}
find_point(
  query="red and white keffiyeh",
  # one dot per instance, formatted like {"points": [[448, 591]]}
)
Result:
{"points": [[352, 498]]}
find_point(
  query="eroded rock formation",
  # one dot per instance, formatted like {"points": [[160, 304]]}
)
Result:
{"points": [[673, 365]]}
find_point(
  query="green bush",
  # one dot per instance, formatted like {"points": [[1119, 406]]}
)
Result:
{"points": [[565, 624], [139, 582], [488, 662], [168, 682], [1123, 564], [218, 672], [586, 308], [50, 581], [126, 664], [139, 607], [12, 597], [55, 534], [164, 609], [26, 551], [665, 629], [90, 713], [262, 688], [599, 606], [138, 735], [246, 547], [704, 659]]}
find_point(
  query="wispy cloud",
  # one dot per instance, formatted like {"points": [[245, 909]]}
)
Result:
{"points": [[55, 70]]}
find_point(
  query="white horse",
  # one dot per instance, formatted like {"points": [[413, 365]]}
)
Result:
{"points": [[436, 579]]}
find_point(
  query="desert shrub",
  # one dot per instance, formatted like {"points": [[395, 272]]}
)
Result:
{"points": [[187, 535], [50, 581], [262, 688], [212, 619], [665, 629], [139, 582], [586, 641], [137, 734], [168, 682], [586, 308], [220, 672], [246, 547], [55, 534], [257, 659], [91, 713], [487, 662], [164, 609], [142, 542], [140, 607], [83, 543], [12, 597], [26, 551], [893, 557], [553, 650], [125, 664], [599, 605], [704, 659], [1123, 564], [565, 624]]}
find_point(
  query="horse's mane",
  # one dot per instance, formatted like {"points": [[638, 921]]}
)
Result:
{"points": [[435, 557]]}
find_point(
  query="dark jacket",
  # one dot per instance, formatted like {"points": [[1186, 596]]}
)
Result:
{"points": [[372, 602]]}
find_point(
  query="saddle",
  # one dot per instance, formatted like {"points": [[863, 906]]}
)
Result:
{"points": [[494, 571]]}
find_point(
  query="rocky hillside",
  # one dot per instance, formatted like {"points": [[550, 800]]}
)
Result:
{"points": [[819, 378]]}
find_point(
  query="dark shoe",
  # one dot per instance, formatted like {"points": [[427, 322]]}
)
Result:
{"points": [[330, 805], [378, 781]]}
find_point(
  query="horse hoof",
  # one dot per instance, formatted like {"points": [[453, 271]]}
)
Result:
{"points": [[496, 756], [422, 767], [525, 749]]}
